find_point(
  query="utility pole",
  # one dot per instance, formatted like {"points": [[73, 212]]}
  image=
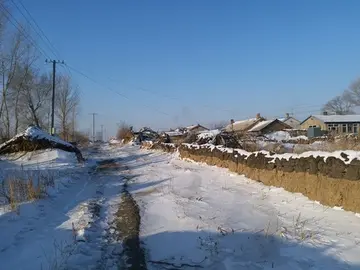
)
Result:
{"points": [[54, 62], [73, 125], [3, 87], [93, 135], [102, 132]]}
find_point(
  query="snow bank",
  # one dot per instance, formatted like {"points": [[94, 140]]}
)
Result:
{"points": [[284, 136], [33, 138], [114, 141]]}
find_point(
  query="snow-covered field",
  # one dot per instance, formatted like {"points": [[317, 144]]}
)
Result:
{"points": [[193, 216]]}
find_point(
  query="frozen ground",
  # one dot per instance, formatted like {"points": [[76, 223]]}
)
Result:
{"points": [[192, 217]]}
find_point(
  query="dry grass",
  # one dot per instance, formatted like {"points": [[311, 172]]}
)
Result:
{"points": [[21, 186], [124, 133]]}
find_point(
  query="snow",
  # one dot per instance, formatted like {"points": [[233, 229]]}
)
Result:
{"points": [[33, 133], [114, 141], [191, 214], [40, 159], [61, 231], [197, 214], [284, 136], [259, 126], [208, 134]]}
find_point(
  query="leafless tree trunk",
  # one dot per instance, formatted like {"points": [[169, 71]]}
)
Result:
{"points": [[67, 101]]}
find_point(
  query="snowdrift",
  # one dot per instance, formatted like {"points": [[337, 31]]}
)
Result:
{"points": [[33, 138]]}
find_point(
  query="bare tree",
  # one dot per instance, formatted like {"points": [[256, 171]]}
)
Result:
{"points": [[25, 96], [9, 67], [340, 105], [67, 101], [353, 93], [35, 98]]}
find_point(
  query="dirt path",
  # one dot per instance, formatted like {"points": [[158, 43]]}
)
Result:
{"points": [[125, 226]]}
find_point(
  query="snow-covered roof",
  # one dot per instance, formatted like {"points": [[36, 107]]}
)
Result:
{"points": [[259, 126], [242, 124], [174, 133], [208, 134], [195, 126], [191, 127], [338, 118]]}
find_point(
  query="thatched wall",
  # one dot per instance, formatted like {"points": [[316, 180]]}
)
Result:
{"points": [[331, 182]]}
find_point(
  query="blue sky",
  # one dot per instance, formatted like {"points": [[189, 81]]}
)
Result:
{"points": [[182, 62]]}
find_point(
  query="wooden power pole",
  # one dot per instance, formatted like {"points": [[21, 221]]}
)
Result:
{"points": [[54, 62]]}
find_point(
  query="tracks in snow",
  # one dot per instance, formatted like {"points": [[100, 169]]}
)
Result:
{"points": [[121, 239]]}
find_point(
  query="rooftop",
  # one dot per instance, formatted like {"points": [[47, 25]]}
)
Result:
{"points": [[242, 124], [338, 118], [259, 126]]}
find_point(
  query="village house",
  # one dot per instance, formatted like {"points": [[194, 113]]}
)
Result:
{"points": [[338, 124], [243, 126], [258, 125], [268, 126], [291, 121], [196, 129]]}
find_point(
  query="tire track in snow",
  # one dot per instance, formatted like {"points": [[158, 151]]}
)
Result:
{"points": [[123, 227]]}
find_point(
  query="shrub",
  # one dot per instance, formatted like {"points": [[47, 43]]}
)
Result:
{"points": [[124, 133], [21, 186]]}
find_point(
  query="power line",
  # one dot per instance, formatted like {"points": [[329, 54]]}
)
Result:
{"points": [[17, 25], [42, 34], [112, 90], [176, 98], [46, 42]]}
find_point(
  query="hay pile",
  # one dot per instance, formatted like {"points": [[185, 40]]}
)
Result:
{"points": [[33, 138]]}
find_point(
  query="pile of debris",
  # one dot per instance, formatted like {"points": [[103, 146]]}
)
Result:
{"points": [[146, 135], [215, 137], [34, 138]]}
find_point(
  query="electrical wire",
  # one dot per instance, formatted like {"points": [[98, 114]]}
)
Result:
{"points": [[42, 34], [112, 90], [18, 26]]}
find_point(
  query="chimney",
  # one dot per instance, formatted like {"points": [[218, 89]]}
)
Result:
{"points": [[258, 116], [325, 113], [287, 115]]}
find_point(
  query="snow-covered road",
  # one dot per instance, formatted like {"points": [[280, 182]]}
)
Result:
{"points": [[193, 216]]}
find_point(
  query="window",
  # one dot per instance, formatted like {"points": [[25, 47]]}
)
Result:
{"points": [[355, 128], [350, 128], [344, 128]]}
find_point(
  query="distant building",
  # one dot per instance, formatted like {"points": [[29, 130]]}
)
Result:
{"points": [[291, 121], [243, 126], [268, 126], [196, 128], [338, 124]]}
